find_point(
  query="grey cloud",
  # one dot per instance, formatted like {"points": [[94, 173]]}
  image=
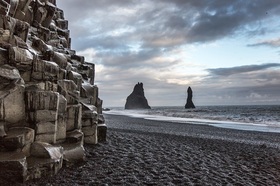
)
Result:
{"points": [[85, 6], [218, 19], [192, 21], [241, 69], [101, 43], [270, 43], [240, 88], [158, 27], [127, 59]]}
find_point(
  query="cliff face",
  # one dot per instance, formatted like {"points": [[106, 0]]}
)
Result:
{"points": [[137, 100], [49, 104], [189, 103]]}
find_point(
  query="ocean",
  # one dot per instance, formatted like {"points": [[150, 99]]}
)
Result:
{"points": [[264, 118]]}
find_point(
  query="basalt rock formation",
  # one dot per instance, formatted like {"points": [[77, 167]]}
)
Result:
{"points": [[189, 103], [49, 104], [137, 100]]}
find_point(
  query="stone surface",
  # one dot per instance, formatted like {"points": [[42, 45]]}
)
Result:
{"points": [[12, 107], [61, 119], [69, 90], [46, 137], [46, 127], [2, 130], [45, 150], [89, 124], [101, 132], [45, 115], [75, 136], [9, 73], [45, 70], [74, 117], [17, 138], [61, 128], [77, 78], [73, 152], [90, 134], [137, 99], [189, 103], [13, 166], [89, 90], [43, 167], [62, 106], [21, 58], [41, 100], [101, 119]]}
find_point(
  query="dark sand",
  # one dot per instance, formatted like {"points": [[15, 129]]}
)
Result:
{"points": [[142, 152]]}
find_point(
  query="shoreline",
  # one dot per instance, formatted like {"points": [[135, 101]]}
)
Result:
{"points": [[235, 120], [271, 139], [143, 152]]}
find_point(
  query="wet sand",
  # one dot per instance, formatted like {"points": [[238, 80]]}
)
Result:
{"points": [[142, 152]]}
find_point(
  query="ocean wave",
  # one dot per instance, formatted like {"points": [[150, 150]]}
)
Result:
{"points": [[265, 117]]}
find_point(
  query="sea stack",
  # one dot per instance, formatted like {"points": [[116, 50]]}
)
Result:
{"points": [[137, 100], [189, 103]]}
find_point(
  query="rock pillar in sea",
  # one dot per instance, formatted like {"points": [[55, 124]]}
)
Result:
{"points": [[189, 103], [49, 104], [137, 100]]}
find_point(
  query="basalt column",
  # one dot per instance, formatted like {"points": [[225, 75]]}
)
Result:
{"points": [[49, 104]]}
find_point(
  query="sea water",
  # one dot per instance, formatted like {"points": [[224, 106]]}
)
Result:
{"points": [[265, 118]]}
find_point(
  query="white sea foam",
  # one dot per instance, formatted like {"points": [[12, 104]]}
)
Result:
{"points": [[252, 118]]}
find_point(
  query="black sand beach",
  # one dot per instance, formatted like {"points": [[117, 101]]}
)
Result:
{"points": [[142, 152]]}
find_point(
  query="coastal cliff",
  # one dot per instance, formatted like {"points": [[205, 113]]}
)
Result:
{"points": [[137, 99], [49, 103]]}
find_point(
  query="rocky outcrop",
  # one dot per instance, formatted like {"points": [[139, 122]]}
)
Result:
{"points": [[49, 104], [137, 100], [189, 103]]}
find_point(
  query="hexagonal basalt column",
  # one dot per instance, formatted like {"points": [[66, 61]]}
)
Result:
{"points": [[13, 166], [74, 117], [69, 90], [18, 139], [42, 114]]}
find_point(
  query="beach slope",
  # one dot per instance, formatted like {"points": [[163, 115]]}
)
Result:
{"points": [[143, 152]]}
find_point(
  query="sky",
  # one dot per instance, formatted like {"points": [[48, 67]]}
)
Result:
{"points": [[227, 51]]}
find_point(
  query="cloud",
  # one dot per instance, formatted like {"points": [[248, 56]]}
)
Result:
{"points": [[270, 43], [241, 69], [152, 21], [134, 41], [256, 87]]}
